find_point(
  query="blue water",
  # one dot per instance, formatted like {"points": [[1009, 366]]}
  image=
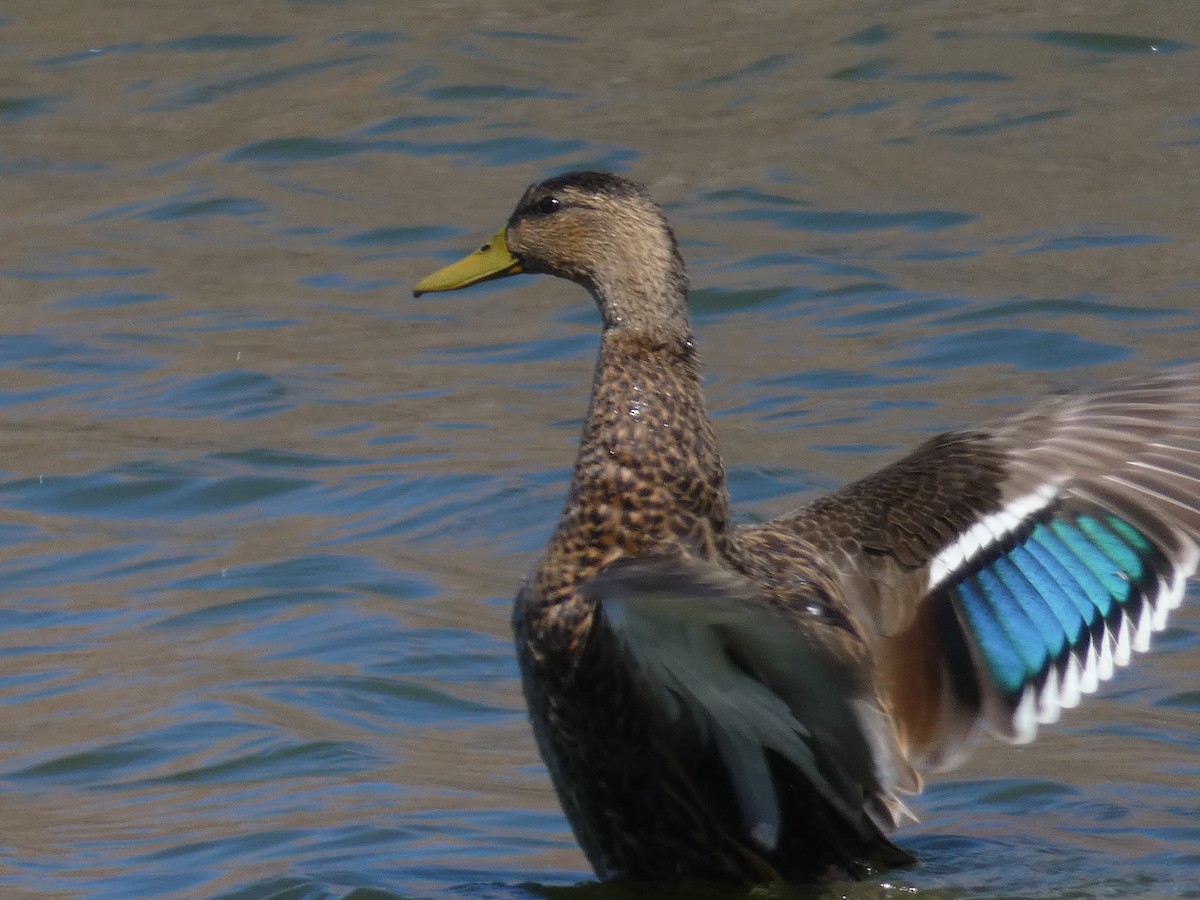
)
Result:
{"points": [[262, 513]]}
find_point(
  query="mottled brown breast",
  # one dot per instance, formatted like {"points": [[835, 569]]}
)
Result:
{"points": [[647, 480]]}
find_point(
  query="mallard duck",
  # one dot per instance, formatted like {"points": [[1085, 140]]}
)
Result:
{"points": [[749, 703]]}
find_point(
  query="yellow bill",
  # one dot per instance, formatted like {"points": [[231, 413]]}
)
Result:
{"points": [[492, 260]]}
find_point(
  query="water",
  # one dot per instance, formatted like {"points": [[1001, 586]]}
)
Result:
{"points": [[263, 512]]}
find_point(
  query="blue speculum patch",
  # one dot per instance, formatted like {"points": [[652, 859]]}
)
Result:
{"points": [[1045, 597]]}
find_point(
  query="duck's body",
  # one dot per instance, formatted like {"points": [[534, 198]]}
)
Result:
{"points": [[744, 703], [649, 485]]}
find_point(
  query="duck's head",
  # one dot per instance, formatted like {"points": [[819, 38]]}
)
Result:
{"points": [[599, 230]]}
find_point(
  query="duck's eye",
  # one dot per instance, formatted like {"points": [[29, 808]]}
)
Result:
{"points": [[548, 205]]}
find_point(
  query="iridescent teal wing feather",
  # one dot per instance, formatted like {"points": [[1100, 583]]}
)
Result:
{"points": [[1070, 549]]}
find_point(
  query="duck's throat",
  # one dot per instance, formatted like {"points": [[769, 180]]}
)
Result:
{"points": [[648, 477]]}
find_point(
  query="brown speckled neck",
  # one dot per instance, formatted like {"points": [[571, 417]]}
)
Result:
{"points": [[648, 477]]}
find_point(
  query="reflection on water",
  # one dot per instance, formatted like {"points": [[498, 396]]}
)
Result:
{"points": [[263, 513]]}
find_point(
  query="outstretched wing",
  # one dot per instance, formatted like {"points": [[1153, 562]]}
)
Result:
{"points": [[1009, 570]]}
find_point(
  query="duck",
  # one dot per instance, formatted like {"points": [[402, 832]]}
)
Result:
{"points": [[749, 703]]}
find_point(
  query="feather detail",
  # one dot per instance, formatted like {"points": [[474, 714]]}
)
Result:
{"points": [[1031, 558], [1096, 531], [992, 529], [715, 657]]}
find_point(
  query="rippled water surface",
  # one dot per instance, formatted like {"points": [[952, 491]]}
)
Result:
{"points": [[263, 513]]}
